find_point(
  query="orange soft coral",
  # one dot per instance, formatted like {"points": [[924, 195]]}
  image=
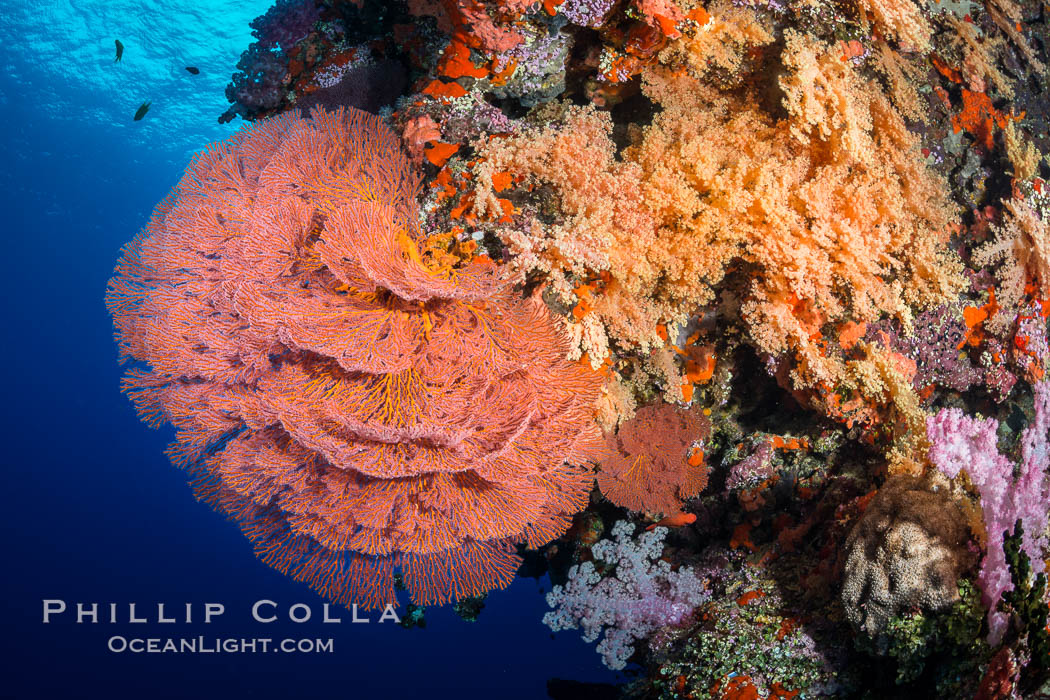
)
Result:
{"points": [[830, 210], [717, 40], [901, 20], [1021, 250]]}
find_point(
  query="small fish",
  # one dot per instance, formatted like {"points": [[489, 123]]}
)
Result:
{"points": [[676, 520], [193, 70], [142, 110], [120, 50]]}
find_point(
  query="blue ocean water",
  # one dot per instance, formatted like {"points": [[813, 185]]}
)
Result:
{"points": [[92, 510]]}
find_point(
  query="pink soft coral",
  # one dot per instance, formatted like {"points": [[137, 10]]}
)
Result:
{"points": [[961, 443], [643, 595]]}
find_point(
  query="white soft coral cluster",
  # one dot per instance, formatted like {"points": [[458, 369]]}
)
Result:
{"points": [[1021, 250], [638, 594]]}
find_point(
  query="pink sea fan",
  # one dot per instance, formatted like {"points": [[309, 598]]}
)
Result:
{"points": [[652, 465], [355, 406]]}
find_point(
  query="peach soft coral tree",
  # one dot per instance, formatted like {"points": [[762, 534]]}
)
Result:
{"points": [[355, 405], [823, 207]]}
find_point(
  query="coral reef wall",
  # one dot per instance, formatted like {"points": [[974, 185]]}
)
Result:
{"points": [[759, 289]]}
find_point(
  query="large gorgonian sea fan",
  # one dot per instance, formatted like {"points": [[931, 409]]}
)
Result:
{"points": [[356, 408]]}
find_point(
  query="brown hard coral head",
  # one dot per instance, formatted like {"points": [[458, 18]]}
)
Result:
{"points": [[906, 553], [354, 406]]}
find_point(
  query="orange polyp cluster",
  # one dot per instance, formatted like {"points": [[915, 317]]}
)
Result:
{"points": [[628, 52], [855, 411], [584, 293], [447, 184], [455, 61], [442, 90], [474, 28], [850, 333], [952, 74], [439, 152], [738, 687], [702, 371], [979, 117], [502, 180], [1031, 291], [791, 443], [700, 361], [551, 6], [742, 537], [749, 596], [1026, 354], [974, 317], [450, 184]]}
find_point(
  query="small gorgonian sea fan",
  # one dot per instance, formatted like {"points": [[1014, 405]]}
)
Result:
{"points": [[354, 405], [653, 465]]}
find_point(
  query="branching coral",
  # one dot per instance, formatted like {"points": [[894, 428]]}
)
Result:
{"points": [[653, 466], [356, 403]]}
